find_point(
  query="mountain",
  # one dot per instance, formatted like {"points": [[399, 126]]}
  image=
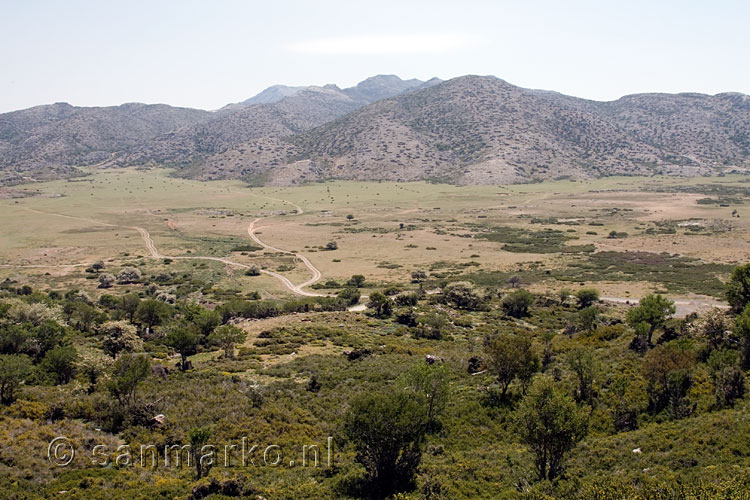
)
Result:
{"points": [[470, 130], [285, 112], [479, 130], [49, 141]]}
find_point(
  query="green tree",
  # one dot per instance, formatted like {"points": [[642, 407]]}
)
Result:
{"points": [[550, 423], [119, 336], [14, 368], [199, 437], [350, 294], [462, 295], [517, 304], [588, 318], [129, 305], [742, 331], [357, 281], [381, 305], [586, 297], [432, 382], [668, 371], [226, 337], [61, 363], [184, 339], [127, 373], [651, 313], [738, 288], [728, 378], [207, 321], [152, 312], [583, 365], [387, 430], [512, 356], [45, 337]]}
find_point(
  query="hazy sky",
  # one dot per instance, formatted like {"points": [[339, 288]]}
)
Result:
{"points": [[207, 54]]}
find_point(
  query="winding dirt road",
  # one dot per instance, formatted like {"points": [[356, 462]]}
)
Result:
{"points": [[154, 251]]}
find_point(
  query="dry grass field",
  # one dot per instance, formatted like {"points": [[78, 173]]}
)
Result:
{"points": [[544, 232]]}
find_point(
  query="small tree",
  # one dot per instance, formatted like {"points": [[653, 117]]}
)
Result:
{"points": [[387, 430], [206, 321], [129, 305], [742, 330], [381, 305], [581, 362], [226, 337], [127, 373], [152, 312], [563, 295], [14, 368], [588, 318], [97, 266], [332, 245], [350, 294], [350, 216], [462, 295], [357, 281], [430, 326], [738, 288], [432, 382], [551, 424], [61, 363], [668, 371], [728, 378], [184, 340], [510, 357], [106, 280], [129, 275], [517, 303], [586, 297], [651, 313], [119, 336], [253, 271], [198, 440]]}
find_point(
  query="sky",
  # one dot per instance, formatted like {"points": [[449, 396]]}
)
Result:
{"points": [[205, 54]]}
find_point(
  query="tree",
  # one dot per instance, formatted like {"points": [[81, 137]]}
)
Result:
{"points": [[252, 271], [350, 216], [106, 280], [198, 439], [387, 430], [510, 357], [127, 373], [350, 294], [738, 288], [152, 312], [357, 281], [582, 364], [382, 305], [728, 378], [45, 337], [128, 275], [563, 295], [184, 340], [418, 276], [588, 318], [586, 297], [332, 245], [14, 368], [97, 266], [462, 295], [207, 321], [431, 382], [742, 330], [431, 326], [129, 305], [60, 363], [651, 313], [226, 337], [668, 371], [517, 304], [550, 423], [514, 281], [119, 336]]}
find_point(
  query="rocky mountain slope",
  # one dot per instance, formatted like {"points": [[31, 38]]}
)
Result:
{"points": [[48, 141], [472, 130], [485, 130]]}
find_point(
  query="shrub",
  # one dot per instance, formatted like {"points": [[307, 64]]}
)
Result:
{"points": [[586, 297], [517, 304], [14, 368], [387, 429], [129, 275]]}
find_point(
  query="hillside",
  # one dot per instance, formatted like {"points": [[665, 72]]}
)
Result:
{"points": [[479, 130], [49, 141]]}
